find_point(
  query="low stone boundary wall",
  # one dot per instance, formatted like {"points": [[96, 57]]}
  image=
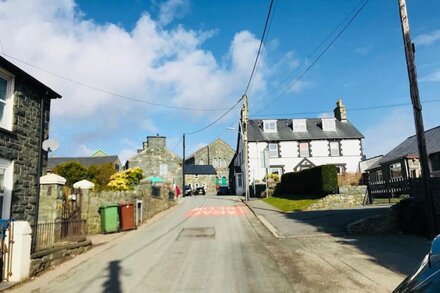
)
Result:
{"points": [[380, 224], [151, 204], [42, 260], [348, 197]]}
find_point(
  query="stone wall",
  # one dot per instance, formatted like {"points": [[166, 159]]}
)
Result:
{"points": [[153, 155], [151, 204], [41, 261], [21, 145], [348, 196], [210, 155], [202, 180]]}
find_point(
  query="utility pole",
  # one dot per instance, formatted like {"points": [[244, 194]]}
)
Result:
{"points": [[183, 167], [244, 123], [418, 118]]}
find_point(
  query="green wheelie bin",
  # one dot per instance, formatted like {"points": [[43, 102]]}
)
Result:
{"points": [[109, 218]]}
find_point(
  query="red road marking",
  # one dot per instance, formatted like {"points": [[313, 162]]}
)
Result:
{"points": [[215, 211]]}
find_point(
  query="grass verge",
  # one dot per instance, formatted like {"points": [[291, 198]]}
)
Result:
{"points": [[290, 203]]}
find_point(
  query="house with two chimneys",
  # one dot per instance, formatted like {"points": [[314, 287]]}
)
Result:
{"points": [[297, 144]]}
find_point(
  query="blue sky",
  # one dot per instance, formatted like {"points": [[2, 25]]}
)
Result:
{"points": [[199, 54]]}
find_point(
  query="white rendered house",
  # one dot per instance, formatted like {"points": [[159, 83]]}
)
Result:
{"points": [[298, 144]]}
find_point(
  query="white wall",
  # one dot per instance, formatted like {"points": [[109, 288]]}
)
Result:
{"points": [[351, 156]]}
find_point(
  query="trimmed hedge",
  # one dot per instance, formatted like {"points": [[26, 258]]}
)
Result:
{"points": [[319, 181]]}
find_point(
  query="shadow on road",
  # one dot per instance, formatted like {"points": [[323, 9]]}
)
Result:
{"points": [[113, 284], [399, 252]]}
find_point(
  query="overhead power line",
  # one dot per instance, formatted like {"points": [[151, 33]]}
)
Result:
{"points": [[250, 78], [216, 120], [259, 48], [112, 93], [351, 19], [378, 107]]}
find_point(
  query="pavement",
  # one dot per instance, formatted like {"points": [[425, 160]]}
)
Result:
{"points": [[325, 258]]}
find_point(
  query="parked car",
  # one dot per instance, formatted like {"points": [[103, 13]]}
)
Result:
{"points": [[188, 191], [427, 276], [223, 190], [199, 190]]}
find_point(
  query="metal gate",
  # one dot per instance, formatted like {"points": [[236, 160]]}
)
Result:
{"points": [[6, 248]]}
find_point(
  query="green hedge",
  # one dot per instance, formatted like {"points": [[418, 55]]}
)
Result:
{"points": [[321, 180]]}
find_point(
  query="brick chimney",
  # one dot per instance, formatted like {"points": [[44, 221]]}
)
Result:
{"points": [[155, 142], [340, 111]]}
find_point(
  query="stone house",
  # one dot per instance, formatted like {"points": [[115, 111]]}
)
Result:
{"points": [[24, 125], [218, 154], [392, 173], [156, 160], [201, 175], [85, 161], [296, 144]]}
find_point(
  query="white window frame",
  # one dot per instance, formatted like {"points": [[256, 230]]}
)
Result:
{"points": [[274, 150], [270, 125], [395, 169], [201, 162], [163, 170], [276, 170], [6, 194], [299, 125], [7, 117], [328, 124], [308, 148], [330, 148]]}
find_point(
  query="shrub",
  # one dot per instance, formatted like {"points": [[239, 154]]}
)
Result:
{"points": [[320, 180], [126, 180], [72, 171]]}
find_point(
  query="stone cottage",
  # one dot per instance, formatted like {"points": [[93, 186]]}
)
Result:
{"points": [[201, 175], [156, 160], [24, 125], [218, 154]]}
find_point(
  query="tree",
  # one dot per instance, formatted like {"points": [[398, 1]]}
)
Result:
{"points": [[100, 175], [72, 171]]}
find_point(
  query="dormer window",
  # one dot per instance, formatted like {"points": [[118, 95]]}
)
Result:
{"points": [[299, 125], [270, 126], [328, 124]]}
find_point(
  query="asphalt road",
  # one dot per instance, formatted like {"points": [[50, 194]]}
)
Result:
{"points": [[206, 244]]}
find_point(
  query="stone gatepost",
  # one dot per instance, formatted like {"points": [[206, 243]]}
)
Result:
{"points": [[51, 198], [86, 188]]}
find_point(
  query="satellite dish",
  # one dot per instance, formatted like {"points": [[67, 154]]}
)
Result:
{"points": [[50, 145]]}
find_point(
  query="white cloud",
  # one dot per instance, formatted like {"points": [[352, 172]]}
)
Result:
{"points": [[387, 132], [433, 77], [299, 86], [428, 38], [126, 154], [172, 9], [325, 115], [150, 126], [150, 62], [83, 151], [363, 50]]}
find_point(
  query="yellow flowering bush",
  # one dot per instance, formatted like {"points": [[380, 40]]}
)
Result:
{"points": [[126, 180]]}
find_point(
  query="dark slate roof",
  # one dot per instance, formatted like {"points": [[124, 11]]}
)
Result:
{"points": [[19, 73], [409, 147], [85, 161], [200, 169], [314, 131]]}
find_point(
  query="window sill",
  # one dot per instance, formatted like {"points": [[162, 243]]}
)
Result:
{"points": [[8, 132]]}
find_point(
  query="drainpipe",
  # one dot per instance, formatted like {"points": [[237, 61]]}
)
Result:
{"points": [[40, 157]]}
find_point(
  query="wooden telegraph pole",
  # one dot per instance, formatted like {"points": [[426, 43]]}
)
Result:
{"points": [[244, 123], [418, 118]]}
